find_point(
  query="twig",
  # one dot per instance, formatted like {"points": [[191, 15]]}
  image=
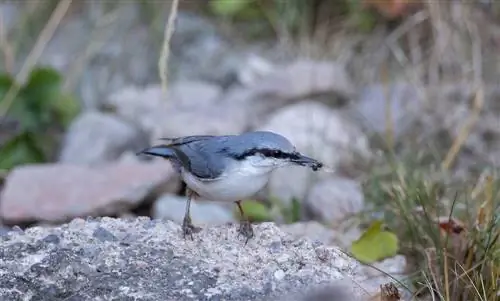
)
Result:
{"points": [[169, 30], [34, 55]]}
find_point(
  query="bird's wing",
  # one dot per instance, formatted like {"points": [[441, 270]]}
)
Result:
{"points": [[187, 139], [205, 161], [196, 154]]}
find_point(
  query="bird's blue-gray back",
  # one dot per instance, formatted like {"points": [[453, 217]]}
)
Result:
{"points": [[207, 156]]}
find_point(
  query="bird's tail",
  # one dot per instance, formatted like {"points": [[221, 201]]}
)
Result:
{"points": [[159, 151]]}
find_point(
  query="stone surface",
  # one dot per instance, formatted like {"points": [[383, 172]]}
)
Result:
{"points": [[304, 78], [321, 133], [172, 207], [404, 105], [341, 236], [188, 108], [57, 192], [140, 259], [96, 138], [333, 200], [271, 87], [312, 230]]}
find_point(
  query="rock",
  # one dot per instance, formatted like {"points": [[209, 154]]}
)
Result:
{"points": [[145, 253], [311, 230], [315, 231], [96, 138], [305, 78], [193, 35], [59, 192], [188, 108], [338, 291], [142, 106], [321, 133], [404, 107], [334, 200], [378, 271], [253, 70], [273, 87], [172, 207], [4, 230]]}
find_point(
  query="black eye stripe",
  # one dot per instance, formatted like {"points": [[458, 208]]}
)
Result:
{"points": [[270, 153]]}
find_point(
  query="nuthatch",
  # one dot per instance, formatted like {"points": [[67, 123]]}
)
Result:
{"points": [[228, 168]]}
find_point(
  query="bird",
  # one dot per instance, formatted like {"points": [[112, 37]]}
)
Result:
{"points": [[227, 168]]}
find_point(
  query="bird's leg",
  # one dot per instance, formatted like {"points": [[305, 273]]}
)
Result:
{"points": [[245, 225], [187, 226]]}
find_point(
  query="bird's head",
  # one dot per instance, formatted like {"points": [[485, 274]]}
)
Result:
{"points": [[271, 150]]}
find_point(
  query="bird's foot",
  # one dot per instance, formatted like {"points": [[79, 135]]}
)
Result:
{"points": [[246, 230], [188, 228]]}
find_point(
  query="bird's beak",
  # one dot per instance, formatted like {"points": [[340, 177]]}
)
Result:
{"points": [[306, 161]]}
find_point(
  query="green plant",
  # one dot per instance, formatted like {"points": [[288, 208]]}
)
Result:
{"points": [[256, 211], [375, 244], [295, 17], [290, 213], [40, 109]]}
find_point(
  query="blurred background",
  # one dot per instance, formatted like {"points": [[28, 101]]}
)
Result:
{"points": [[400, 98]]}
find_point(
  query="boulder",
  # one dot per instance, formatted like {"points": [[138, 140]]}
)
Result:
{"points": [[143, 259], [58, 192]]}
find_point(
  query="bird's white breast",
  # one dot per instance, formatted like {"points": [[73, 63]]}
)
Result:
{"points": [[240, 181]]}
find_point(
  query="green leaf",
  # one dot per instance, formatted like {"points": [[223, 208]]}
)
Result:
{"points": [[20, 150], [375, 244], [229, 7], [6, 81], [42, 88], [66, 108], [254, 210]]}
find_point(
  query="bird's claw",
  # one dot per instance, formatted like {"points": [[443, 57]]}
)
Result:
{"points": [[188, 228], [246, 230]]}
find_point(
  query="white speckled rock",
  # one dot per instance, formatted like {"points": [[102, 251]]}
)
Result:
{"points": [[143, 259]]}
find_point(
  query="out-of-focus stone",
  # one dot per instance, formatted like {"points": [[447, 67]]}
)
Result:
{"points": [[58, 192], [172, 207], [96, 138], [335, 199]]}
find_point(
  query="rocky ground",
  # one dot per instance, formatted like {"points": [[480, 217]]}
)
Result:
{"points": [[143, 259]]}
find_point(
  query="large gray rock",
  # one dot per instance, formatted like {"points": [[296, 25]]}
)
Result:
{"points": [[140, 259], [96, 138], [58, 192]]}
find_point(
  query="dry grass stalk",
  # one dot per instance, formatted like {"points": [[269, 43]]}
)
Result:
{"points": [[169, 30]]}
